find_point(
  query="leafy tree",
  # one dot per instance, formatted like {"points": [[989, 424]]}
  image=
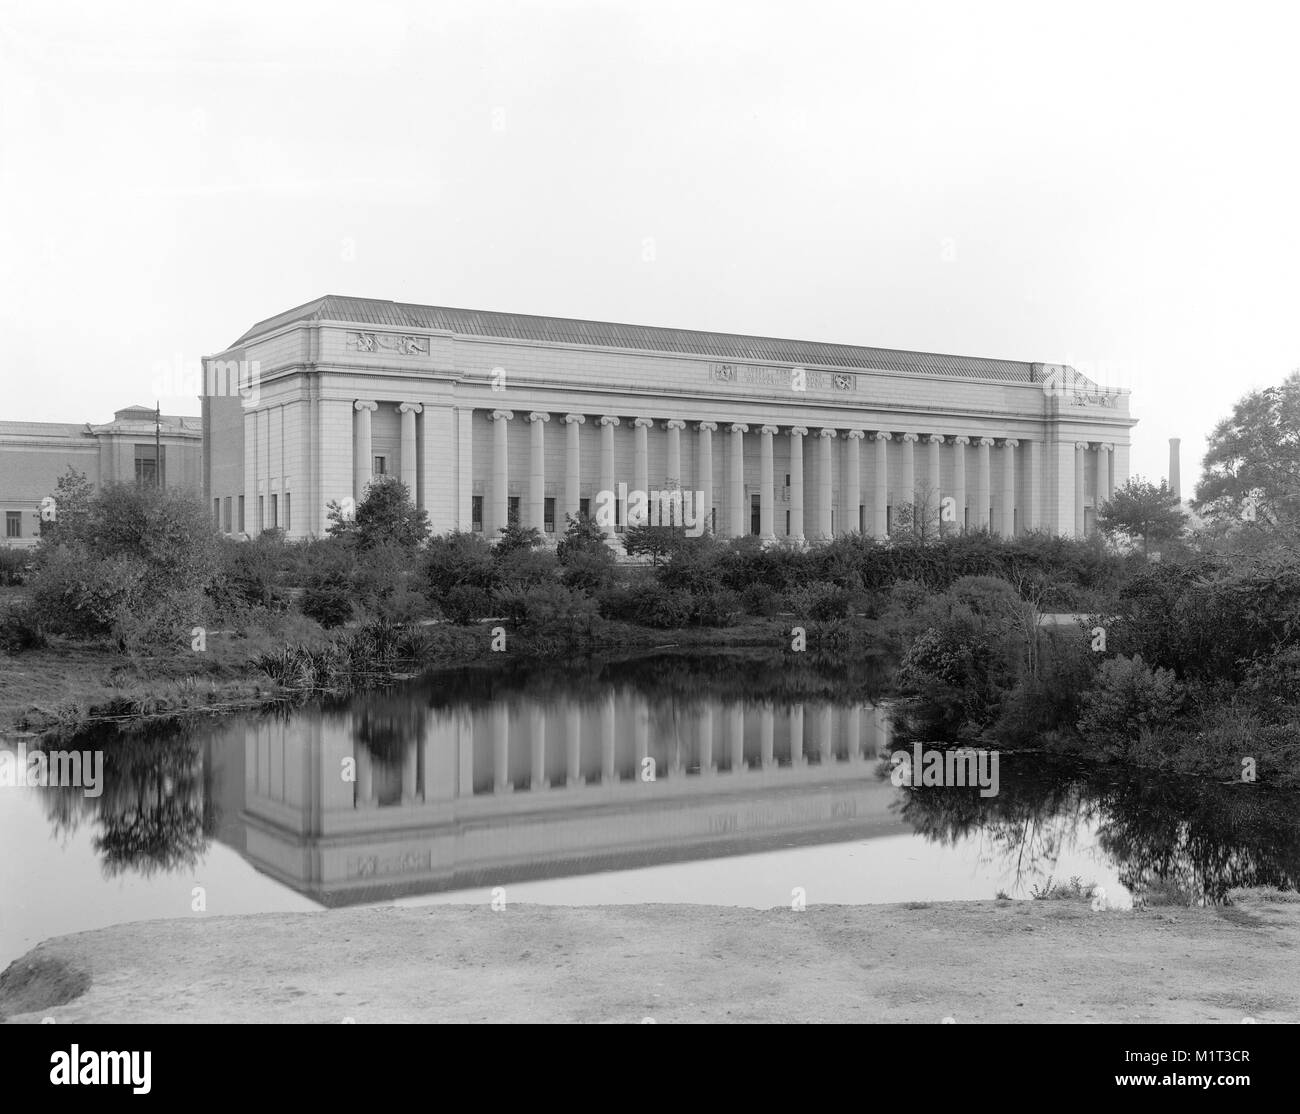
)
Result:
{"points": [[385, 516], [72, 494], [586, 560], [515, 537], [1252, 464], [1142, 513], [655, 542]]}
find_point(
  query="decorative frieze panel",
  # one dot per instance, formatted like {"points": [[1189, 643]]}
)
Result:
{"points": [[798, 378], [394, 344]]}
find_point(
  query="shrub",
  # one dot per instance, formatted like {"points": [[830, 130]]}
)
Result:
{"points": [[77, 593], [466, 603], [18, 633], [760, 600], [715, 609], [455, 559], [13, 565], [1128, 696], [820, 601]]}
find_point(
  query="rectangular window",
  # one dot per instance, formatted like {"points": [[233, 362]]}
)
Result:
{"points": [[381, 466], [241, 514], [584, 506], [755, 515], [261, 512], [787, 523], [862, 519], [288, 518], [226, 512], [216, 513], [512, 510], [151, 465], [618, 514], [548, 517], [13, 524], [889, 519], [476, 513], [275, 511]]}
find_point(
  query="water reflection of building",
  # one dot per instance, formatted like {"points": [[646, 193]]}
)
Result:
{"points": [[391, 798]]}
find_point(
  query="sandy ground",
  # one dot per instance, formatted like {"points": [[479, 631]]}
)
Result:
{"points": [[1042, 961]]}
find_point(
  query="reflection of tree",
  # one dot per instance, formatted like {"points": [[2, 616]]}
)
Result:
{"points": [[1205, 839], [386, 722], [153, 814]]}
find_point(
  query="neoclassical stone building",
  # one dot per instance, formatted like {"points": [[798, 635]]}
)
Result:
{"points": [[491, 416]]}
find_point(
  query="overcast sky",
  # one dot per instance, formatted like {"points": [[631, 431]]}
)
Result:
{"points": [[1109, 185]]}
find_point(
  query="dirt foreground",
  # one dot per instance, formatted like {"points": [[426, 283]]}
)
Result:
{"points": [[1029, 961]]}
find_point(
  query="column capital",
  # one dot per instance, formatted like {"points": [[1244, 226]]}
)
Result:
{"points": [[674, 423], [961, 439], [739, 427], [1082, 446], [856, 434], [643, 423], [1010, 443], [911, 437], [608, 419], [575, 419], [883, 435], [828, 433], [798, 431], [985, 442], [365, 404], [502, 415], [539, 416], [708, 427], [936, 438], [770, 430], [411, 408], [1105, 447]]}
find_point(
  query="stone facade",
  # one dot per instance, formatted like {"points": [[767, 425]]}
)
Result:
{"points": [[487, 416]]}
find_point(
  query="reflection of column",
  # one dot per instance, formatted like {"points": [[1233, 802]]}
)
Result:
{"points": [[852, 719], [766, 492], [1009, 487], [641, 736], [465, 754], [909, 474], [826, 734], [706, 470], [982, 487], [572, 471], [607, 424], [363, 460], [1080, 475], [880, 510], [853, 483], [408, 410], [736, 481], [641, 463], [1029, 513], [608, 739], [796, 735], [365, 776], [537, 472], [767, 736], [573, 747], [499, 515], [824, 466], [410, 772], [797, 434], [736, 738], [704, 735], [880, 717], [501, 782], [934, 480], [959, 481], [537, 738]]}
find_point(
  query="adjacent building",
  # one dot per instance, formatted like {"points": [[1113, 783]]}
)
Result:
{"points": [[133, 447], [492, 417]]}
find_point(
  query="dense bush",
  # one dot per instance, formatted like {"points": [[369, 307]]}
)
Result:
{"points": [[466, 603], [13, 565], [1127, 697]]}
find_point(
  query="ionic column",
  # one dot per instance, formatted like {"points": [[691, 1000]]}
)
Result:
{"points": [[572, 472], [824, 503], [1029, 513], [880, 510], [500, 505], [767, 736], [736, 480], [797, 434], [766, 492], [934, 478], [1080, 477], [363, 456], [1105, 472], [796, 735], [641, 463], [673, 481], [909, 473], [853, 481], [537, 472], [1009, 446], [705, 461], [959, 480], [607, 424], [408, 410], [982, 486]]}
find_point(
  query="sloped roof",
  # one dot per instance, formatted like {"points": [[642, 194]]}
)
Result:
{"points": [[378, 313]]}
